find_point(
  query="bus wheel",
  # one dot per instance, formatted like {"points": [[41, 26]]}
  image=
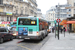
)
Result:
{"points": [[42, 37], [47, 34]]}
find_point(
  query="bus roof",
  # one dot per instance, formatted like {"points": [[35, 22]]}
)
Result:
{"points": [[32, 17]]}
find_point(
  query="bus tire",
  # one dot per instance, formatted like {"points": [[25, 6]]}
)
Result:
{"points": [[42, 37], [47, 34]]}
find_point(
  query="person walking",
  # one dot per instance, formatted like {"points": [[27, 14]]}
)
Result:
{"points": [[64, 29], [61, 30], [57, 31], [53, 29]]}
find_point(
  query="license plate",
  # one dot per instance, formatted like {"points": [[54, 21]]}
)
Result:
{"points": [[27, 38]]}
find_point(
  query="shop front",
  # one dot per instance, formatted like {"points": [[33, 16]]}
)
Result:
{"points": [[71, 24], [4, 24]]}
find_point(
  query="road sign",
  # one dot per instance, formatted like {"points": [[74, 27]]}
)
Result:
{"points": [[55, 21], [58, 20], [62, 15], [67, 5]]}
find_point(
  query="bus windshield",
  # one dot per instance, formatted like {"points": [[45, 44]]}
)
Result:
{"points": [[27, 21]]}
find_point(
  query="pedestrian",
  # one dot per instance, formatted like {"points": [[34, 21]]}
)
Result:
{"points": [[61, 30], [53, 29], [64, 29], [56, 31], [69, 30]]}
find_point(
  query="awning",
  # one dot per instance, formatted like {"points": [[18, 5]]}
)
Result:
{"points": [[63, 22], [70, 22]]}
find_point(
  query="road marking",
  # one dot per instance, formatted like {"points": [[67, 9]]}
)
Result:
{"points": [[32, 44], [24, 47]]}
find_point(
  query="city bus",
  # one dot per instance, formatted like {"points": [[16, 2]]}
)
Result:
{"points": [[31, 28]]}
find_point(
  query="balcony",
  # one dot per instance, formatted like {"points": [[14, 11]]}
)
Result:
{"points": [[34, 2], [1, 4], [2, 13], [17, 0], [26, 14], [35, 13], [8, 5], [16, 14], [21, 1], [31, 10]]}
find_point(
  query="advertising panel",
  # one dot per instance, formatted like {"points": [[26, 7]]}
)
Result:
{"points": [[8, 13], [23, 31]]}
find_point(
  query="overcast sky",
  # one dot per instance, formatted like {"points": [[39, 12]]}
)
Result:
{"points": [[45, 5]]}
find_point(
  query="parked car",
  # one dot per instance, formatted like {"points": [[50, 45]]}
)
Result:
{"points": [[5, 34], [13, 30]]}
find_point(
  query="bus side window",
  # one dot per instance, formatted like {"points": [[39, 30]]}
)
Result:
{"points": [[40, 27]]}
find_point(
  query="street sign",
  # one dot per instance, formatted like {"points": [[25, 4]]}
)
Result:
{"points": [[67, 5], [62, 15], [58, 20], [55, 21], [63, 10]]}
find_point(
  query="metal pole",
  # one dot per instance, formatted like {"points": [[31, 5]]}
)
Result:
{"points": [[58, 19], [58, 29], [55, 30]]}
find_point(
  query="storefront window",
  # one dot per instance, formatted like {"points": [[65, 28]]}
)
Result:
{"points": [[2, 18], [11, 18], [73, 27], [7, 18]]}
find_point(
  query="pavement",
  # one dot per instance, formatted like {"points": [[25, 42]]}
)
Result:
{"points": [[64, 43]]}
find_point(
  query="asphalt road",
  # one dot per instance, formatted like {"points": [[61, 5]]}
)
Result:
{"points": [[20, 44]]}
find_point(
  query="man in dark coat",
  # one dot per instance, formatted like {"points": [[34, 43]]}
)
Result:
{"points": [[64, 29], [24, 32], [61, 30]]}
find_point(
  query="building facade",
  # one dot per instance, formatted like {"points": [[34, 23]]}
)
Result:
{"points": [[11, 9], [39, 14], [72, 3], [70, 20], [50, 15]]}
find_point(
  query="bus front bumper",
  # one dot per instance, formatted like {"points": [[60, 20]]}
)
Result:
{"points": [[30, 37]]}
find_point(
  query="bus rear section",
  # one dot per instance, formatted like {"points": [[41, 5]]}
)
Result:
{"points": [[29, 28]]}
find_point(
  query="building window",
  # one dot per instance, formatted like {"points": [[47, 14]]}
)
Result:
{"points": [[16, 11], [21, 12], [2, 18], [25, 10], [11, 18], [74, 11], [51, 14], [7, 18], [74, 4], [1, 1]]}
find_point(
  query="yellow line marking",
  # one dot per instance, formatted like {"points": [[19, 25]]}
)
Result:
{"points": [[24, 47], [32, 44]]}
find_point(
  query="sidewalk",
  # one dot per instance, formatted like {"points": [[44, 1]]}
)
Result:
{"points": [[64, 43]]}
